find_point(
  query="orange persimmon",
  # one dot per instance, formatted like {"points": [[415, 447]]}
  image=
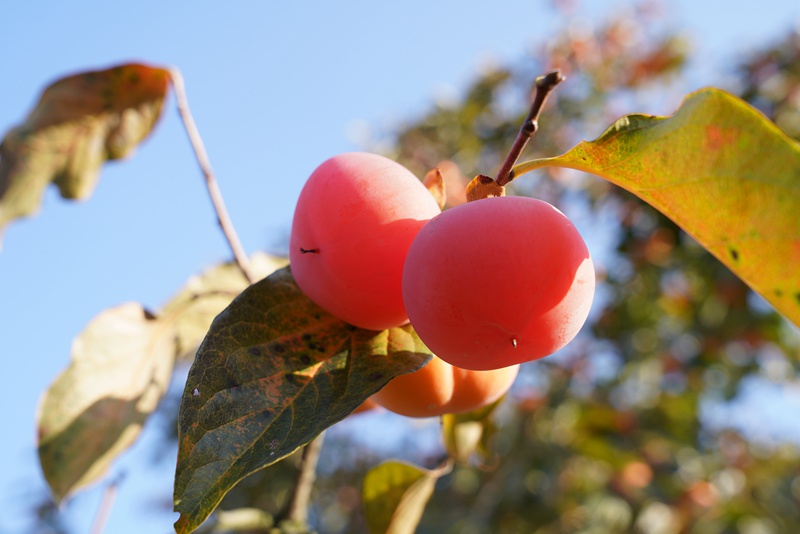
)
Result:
{"points": [[439, 388], [366, 406]]}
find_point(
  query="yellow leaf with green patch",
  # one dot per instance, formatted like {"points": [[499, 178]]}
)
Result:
{"points": [[722, 172], [395, 495]]}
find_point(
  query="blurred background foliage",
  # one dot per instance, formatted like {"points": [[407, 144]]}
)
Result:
{"points": [[617, 432]]}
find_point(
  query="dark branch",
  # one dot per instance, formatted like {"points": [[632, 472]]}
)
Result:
{"points": [[544, 86]]}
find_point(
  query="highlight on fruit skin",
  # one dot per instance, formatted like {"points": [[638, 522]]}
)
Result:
{"points": [[439, 388], [353, 224], [497, 282]]}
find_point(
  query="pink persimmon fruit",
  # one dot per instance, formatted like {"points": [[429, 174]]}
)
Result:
{"points": [[497, 282], [353, 224]]}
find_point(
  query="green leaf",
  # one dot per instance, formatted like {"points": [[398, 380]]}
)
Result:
{"points": [[721, 171], [121, 366], [395, 495], [204, 296], [465, 433], [273, 372], [79, 122]]}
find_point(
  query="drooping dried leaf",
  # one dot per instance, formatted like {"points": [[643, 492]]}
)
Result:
{"points": [[79, 122], [723, 172], [434, 181], [273, 372], [204, 296], [121, 366], [395, 495]]}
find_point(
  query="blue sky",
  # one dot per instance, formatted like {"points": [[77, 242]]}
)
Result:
{"points": [[275, 88]]}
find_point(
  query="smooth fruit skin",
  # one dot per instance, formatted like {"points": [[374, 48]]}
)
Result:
{"points": [[498, 281], [353, 224], [439, 388]]}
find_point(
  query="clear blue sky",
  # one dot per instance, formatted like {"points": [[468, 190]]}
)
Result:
{"points": [[275, 87]]}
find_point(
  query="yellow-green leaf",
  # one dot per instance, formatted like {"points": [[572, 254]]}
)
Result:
{"points": [[79, 122], [395, 495], [723, 172], [121, 366], [465, 434], [273, 372]]}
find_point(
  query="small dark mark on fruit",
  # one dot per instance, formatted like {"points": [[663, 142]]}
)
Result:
{"points": [[734, 254], [277, 347], [778, 292], [255, 351], [797, 296], [309, 250], [374, 377], [305, 358]]}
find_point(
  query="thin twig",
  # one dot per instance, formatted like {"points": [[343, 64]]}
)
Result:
{"points": [[544, 86], [106, 503], [211, 182], [298, 505]]}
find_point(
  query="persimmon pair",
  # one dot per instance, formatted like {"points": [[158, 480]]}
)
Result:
{"points": [[486, 285]]}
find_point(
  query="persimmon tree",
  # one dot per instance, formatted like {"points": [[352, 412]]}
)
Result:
{"points": [[273, 370]]}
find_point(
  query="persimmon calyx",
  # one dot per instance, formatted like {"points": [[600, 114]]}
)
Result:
{"points": [[483, 186]]}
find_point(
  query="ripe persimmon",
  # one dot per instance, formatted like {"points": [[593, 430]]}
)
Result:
{"points": [[366, 406], [439, 388], [354, 221], [497, 282]]}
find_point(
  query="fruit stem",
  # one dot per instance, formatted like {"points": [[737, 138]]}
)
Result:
{"points": [[544, 86], [214, 192]]}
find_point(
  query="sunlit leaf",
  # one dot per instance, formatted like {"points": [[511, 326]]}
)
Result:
{"points": [[204, 296], [273, 372], [121, 366], [395, 495], [721, 171], [79, 122], [465, 433], [241, 520]]}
